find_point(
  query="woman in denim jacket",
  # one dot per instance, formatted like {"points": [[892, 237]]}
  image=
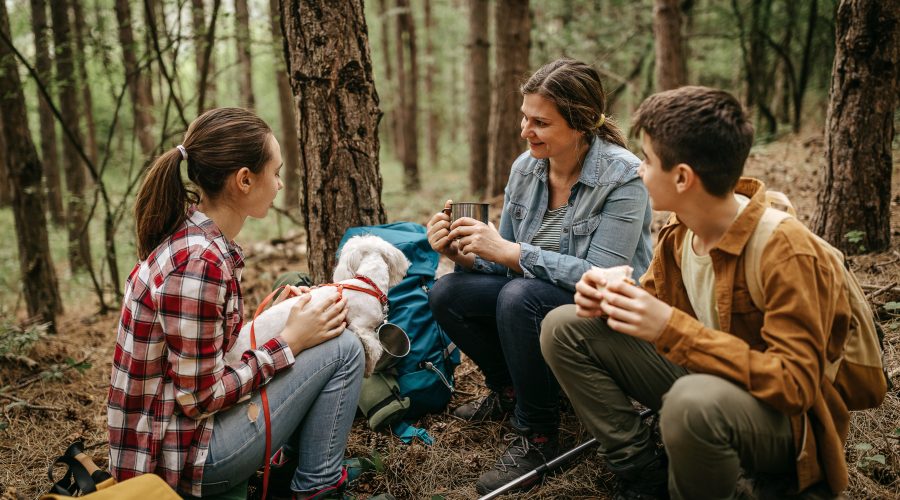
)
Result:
{"points": [[573, 201]]}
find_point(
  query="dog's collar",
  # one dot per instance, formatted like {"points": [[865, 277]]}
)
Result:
{"points": [[374, 291]]}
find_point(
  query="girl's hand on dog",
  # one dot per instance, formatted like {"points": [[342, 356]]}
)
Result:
{"points": [[290, 291], [310, 325]]}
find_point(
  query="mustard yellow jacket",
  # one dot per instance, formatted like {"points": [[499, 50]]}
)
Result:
{"points": [[778, 356]]}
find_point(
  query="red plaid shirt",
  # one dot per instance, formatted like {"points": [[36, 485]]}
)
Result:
{"points": [[181, 312]]}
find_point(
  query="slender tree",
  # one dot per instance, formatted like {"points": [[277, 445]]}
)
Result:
{"points": [[38, 277], [430, 70], [5, 186], [671, 71], [331, 76], [512, 28], [391, 122], [243, 42], [76, 210], [84, 82], [407, 84], [49, 146], [138, 81], [290, 173], [855, 192], [201, 43], [478, 81]]}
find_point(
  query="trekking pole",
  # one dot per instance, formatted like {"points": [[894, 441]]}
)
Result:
{"points": [[556, 462]]}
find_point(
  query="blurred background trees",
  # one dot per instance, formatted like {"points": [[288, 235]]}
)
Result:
{"points": [[407, 103]]}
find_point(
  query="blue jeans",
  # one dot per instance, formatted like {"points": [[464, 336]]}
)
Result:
{"points": [[496, 321], [312, 405]]}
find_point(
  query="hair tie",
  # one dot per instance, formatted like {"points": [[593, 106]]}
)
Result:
{"points": [[601, 121], [183, 151]]}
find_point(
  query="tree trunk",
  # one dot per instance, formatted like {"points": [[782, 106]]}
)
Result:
{"points": [[512, 28], [854, 198], [331, 76], [138, 81], [49, 152], [76, 216], [290, 173], [407, 83], [391, 121], [479, 91], [5, 186], [243, 42], [198, 23], [87, 108], [805, 64], [671, 71], [430, 70], [38, 276]]}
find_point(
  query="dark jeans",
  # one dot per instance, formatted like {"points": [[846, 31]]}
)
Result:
{"points": [[496, 321]]}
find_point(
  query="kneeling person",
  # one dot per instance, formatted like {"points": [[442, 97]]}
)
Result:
{"points": [[735, 388]]}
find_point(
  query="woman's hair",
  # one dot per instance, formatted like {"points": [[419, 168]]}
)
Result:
{"points": [[218, 143], [576, 90]]}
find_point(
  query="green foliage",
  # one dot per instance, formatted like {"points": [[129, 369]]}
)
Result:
{"points": [[856, 237], [18, 340]]}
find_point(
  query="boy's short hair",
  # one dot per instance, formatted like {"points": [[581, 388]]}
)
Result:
{"points": [[702, 127]]}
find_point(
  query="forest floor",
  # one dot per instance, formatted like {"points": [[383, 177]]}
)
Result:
{"points": [[63, 397]]}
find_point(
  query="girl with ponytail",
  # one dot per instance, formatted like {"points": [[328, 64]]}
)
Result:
{"points": [[175, 408], [573, 201]]}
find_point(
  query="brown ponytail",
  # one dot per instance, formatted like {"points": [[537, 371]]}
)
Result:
{"points": [[218, 143], [576, 90]]}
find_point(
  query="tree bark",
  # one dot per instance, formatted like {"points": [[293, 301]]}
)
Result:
{"points": [[671, 71], [331, 77], [38, 277], [87, 108], [49, 152], [854, 199], [198, 23], [430, 70], [245, 66], [138, 81], [478, 79], [76, 216], [290, 144], [512, 28], [407, 83]]}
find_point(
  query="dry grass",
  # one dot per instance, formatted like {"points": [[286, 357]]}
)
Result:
{"points": [[461, 451]]}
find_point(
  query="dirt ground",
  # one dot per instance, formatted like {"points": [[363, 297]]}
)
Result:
{"points": [[44, 409]]}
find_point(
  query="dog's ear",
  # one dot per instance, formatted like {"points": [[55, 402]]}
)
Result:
{"points": [[397, 264], [349, 260]]}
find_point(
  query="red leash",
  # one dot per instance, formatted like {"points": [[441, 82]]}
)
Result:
{"points": [[375, 292], [263, 395]]}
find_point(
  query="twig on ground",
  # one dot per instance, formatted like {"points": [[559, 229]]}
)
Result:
{"points": [[877, 290], [21, 403], [40, 376]]}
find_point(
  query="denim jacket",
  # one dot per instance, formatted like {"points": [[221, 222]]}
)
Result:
{"points": [[607, 223]]}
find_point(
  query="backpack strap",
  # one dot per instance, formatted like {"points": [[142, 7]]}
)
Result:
{"points": [[753, 251]]}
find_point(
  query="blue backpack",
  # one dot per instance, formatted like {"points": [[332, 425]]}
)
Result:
{"points": [[425, 375]]}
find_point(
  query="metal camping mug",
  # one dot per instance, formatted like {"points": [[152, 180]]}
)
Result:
{"points": [[395, 343], [477, 211]]}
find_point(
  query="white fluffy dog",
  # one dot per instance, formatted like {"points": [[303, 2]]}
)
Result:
{"points": [[365, 255]]}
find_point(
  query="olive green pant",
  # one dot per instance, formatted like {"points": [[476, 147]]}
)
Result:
{"points": [[710, 427]]}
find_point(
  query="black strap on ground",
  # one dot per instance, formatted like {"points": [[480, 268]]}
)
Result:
{"points": [[556, 462]]}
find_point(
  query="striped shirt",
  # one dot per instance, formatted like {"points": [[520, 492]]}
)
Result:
{"points": [[548, 235], [181, 311]]}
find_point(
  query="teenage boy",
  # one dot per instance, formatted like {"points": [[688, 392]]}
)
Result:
{"points": [[735, 388]]}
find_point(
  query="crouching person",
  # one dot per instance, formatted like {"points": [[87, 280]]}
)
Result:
{"points": [[738, 391]]}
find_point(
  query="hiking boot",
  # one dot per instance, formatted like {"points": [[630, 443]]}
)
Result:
{"points": [[521, 456], [648, 482], [494, 406]]}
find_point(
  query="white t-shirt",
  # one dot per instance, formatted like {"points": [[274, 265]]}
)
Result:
{"points": [[699, 277]]}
